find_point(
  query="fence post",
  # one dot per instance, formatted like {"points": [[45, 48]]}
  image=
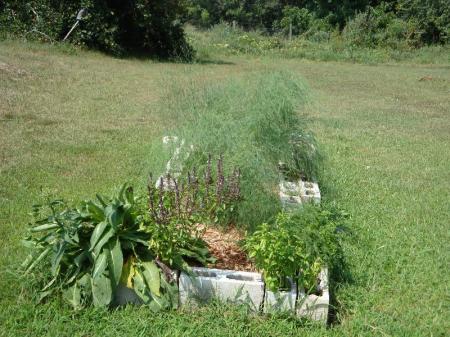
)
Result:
{"points": [[290, 31]]}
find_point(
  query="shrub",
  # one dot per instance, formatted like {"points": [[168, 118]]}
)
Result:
{"points": [[432, 18], [379, 27], [299, 18], [118, 27]]}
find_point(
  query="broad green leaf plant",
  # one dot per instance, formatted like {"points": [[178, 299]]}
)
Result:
{"points": [[104, 244]]}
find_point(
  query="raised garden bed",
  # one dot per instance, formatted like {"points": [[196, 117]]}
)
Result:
{"points": [[248, 288], [137, 253]]}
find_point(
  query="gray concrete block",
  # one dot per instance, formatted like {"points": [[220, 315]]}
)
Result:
{"points": [[289, 187], [309, 192], [290, 201], [227, 285], [315, 307], [281, 301]]}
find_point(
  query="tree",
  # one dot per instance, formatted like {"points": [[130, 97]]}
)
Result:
{"points": [[119, 27]]}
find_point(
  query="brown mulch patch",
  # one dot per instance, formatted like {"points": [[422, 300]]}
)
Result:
{"points": [[224, 246]]}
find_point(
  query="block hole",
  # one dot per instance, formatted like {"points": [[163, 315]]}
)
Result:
{"points": [[240, 277], [205, 273]]}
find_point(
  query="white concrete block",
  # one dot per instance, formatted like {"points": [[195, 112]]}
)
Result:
{"points": [[309, 191], [289, 188], [313, 306], [168, 185], [287, 199], [226, 285], [281, 301]]}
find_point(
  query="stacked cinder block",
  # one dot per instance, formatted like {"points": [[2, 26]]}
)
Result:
{"points": [[294, 193]]}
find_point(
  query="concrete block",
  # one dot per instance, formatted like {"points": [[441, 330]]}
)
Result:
{"points": [[227, 285], [309, 192], [290, 202], [168, 184], [289, 188], [281, 301], [315, 307]]}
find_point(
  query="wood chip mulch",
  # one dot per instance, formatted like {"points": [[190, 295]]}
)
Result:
{"points": [[224, 246]]}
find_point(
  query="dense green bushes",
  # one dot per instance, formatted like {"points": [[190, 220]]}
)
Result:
{"points": [[377, 27], [316, 44], [366, 22], [118, 27], [155, 27]]}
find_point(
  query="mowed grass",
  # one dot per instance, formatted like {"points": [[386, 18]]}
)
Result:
{"points": [[77, 123]]}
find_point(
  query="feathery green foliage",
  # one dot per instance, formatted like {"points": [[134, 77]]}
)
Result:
{"points": [[254, 122]]}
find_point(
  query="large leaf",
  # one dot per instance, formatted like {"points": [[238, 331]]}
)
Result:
{"points": [[85, 282], [100, 199], [38, 259], [129, 195], [92, 210], [128, 271], [158, 303], [152, 277], [44, 227], [135, 237], [101, 290], [57, 258], [140, 287], [114, 213], [73, 295], [97, 233], [122, 192], [115, 260], [101, 243], [100, 265], [80, 258]]}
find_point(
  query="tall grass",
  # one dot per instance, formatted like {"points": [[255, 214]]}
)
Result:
{"points": [[254, 123]]}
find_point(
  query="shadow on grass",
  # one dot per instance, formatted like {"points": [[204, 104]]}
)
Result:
{"points": [[340, 273], [141, 56], [214, 62]]}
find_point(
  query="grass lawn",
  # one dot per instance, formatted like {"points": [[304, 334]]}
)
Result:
{"points": [[76, 123]]}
